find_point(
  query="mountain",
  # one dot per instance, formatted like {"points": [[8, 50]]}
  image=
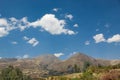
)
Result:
{"points": [[77, 59], [114, 62], [48, 64], [46, 59]]}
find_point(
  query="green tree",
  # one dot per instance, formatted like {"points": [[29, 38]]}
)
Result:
{"points": [[76, 68], [85, 66], [12, 73]]}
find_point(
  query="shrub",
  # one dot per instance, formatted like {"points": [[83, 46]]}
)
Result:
{"points": [[87, 76], [111, 76], [12, 73]]}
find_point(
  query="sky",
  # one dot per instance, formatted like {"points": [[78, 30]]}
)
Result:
{"points": [[29, 28]]}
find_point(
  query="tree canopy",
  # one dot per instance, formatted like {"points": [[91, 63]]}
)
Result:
{"points": [[11, 73]]}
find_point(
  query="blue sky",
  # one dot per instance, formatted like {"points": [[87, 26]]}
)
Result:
{"points": [[30, 28]]}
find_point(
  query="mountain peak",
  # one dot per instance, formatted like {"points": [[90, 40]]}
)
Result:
{"points": [[46, 59], [80, 55], [80, 58]]}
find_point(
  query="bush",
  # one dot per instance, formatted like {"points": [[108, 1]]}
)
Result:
{"points": [[85, 66], [12, 73], [87, 76], [111, 76]]}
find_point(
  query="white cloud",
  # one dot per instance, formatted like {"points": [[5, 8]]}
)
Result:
{"points": [[14, 42], [23, 24], [13, 23], [87, 42], [7, 25], [75, 25], [33, 42], [99, 38], [114, 38], [4, 27], [13, 19], [71, 54], [52, 25], [70, 32], [25, 38], [3, 32], [58, 54], [55, 9], [25, 56], [3, 22], [47, 23], [69, 16]]}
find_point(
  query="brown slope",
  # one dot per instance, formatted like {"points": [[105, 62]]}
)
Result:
{"points": [[79, 59], [46, 59], [42, 65]]}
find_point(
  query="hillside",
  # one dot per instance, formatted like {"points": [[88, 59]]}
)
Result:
{"points": [[46, 65]]}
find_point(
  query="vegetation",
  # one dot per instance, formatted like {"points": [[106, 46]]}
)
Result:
{"points": [[12, 73], [91, 73], [85, 66], [76, 68]]}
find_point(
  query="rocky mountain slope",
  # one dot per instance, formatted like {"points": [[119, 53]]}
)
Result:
{"points": [[48, 64]]}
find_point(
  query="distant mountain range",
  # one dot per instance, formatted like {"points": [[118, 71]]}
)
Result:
{"points": [[51, 65]]}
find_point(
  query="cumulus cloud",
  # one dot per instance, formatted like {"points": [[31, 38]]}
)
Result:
{"points": [[52, 25], [3, 27], [58, 54], [13, 23], [3, 32], [69, 16], [87, 42], [55, 9], [7, 25], [47, 22], [99, 38], [14, 42], [75, 25], [21, 24], [33, 42], [114, 38], [3, 22]]}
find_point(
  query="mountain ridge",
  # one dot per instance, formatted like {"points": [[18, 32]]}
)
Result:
{"points": [[48, 64]]}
